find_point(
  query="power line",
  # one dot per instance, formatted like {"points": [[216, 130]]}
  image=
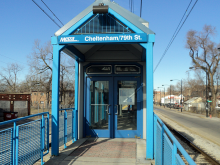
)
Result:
{"points": [[141, 8], [47, 14], [12, 59], [175, 33], [52, 12]]}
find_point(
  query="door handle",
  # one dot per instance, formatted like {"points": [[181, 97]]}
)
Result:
{"points": [[107, 110], [117, 109]]}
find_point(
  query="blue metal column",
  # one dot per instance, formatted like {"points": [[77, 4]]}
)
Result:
{"points": [[76, 96], [55, 98], [149, 100]]}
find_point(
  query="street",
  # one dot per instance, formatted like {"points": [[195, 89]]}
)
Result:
{"points": [[208, 128]]}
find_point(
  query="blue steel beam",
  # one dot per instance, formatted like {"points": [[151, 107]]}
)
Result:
{"points": [[55, 98], [149, 100], [76, 94]]}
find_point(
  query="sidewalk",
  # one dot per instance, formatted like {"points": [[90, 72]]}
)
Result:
{"points": [[102, 151]]}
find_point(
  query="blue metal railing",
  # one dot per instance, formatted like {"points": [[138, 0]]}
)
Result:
{"points": [[25, 143], [68, 125], [165, 151]]}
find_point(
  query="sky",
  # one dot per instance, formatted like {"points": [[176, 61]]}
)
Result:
{"points": [[22, 22]]}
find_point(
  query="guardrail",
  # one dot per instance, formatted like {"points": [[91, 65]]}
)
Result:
{"points": [[25, 143], [68, 126], [166, 145]]}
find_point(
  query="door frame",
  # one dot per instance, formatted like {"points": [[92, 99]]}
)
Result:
{"points": [[129, 133], [113, 75], [99, 132]]}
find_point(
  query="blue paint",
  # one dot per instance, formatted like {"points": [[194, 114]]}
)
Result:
{"points": [[174, 152], [96, 116], [149, 100], [55, 100], [78, 24], [18, 155], [125, 21], [105, 23], [103, 38], [97, 132], [128, 133], [103, 116], [65, 129], [176, 145], [76, 125], [16, 141], [76, 94], [75, 53], [42, 138]]}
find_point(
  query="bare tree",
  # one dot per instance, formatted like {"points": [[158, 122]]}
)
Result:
{"points": [[204, 55], [40, 62], [9, 76]]}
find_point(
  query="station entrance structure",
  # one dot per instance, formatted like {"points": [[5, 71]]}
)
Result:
{"points": [[113, 52]]}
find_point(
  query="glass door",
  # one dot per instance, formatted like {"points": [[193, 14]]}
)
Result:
{"points": [[127, 107], [99, 107]]}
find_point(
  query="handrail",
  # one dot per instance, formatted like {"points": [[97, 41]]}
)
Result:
{"points": [[22, 118], [66, 109], [178, 145], [17, 144], [74, 125]]}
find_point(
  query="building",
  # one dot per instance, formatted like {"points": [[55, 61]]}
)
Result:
{"points": [[113, 49], [172, 99]]}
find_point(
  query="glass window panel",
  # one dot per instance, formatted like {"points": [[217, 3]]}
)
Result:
{"points": [[99, 92], [127, 109]]}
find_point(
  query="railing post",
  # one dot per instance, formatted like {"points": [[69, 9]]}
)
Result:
{"points": [[76, 125], [65, 128], [155, 135], [42, 139], [162, 139], [14, 144], [16, 148], [73, 126], [174, 152], [48, 130]]}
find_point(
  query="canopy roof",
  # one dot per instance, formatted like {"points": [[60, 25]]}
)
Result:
{"points": [[118, 21], [134, 19]]}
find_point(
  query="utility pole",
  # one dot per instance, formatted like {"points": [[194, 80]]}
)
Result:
{"points": [[181, 101], [170, 96]]}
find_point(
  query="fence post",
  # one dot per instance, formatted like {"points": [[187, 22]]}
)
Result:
{"points": [[162, 139], [174, 152], [155, 135], [73, 126], [65, 128], [76, 125], [14, 144], [48, 130], [16, 148], [42, 139]]}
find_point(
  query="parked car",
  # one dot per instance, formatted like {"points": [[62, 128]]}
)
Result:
{"points": [[170, 105]]}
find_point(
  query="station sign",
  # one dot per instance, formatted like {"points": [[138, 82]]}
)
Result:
{"points": [[103, 38], [99, 69], [127, 69]]}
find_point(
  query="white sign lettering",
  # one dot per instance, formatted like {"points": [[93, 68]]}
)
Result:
{"points": [[68, 39]]}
